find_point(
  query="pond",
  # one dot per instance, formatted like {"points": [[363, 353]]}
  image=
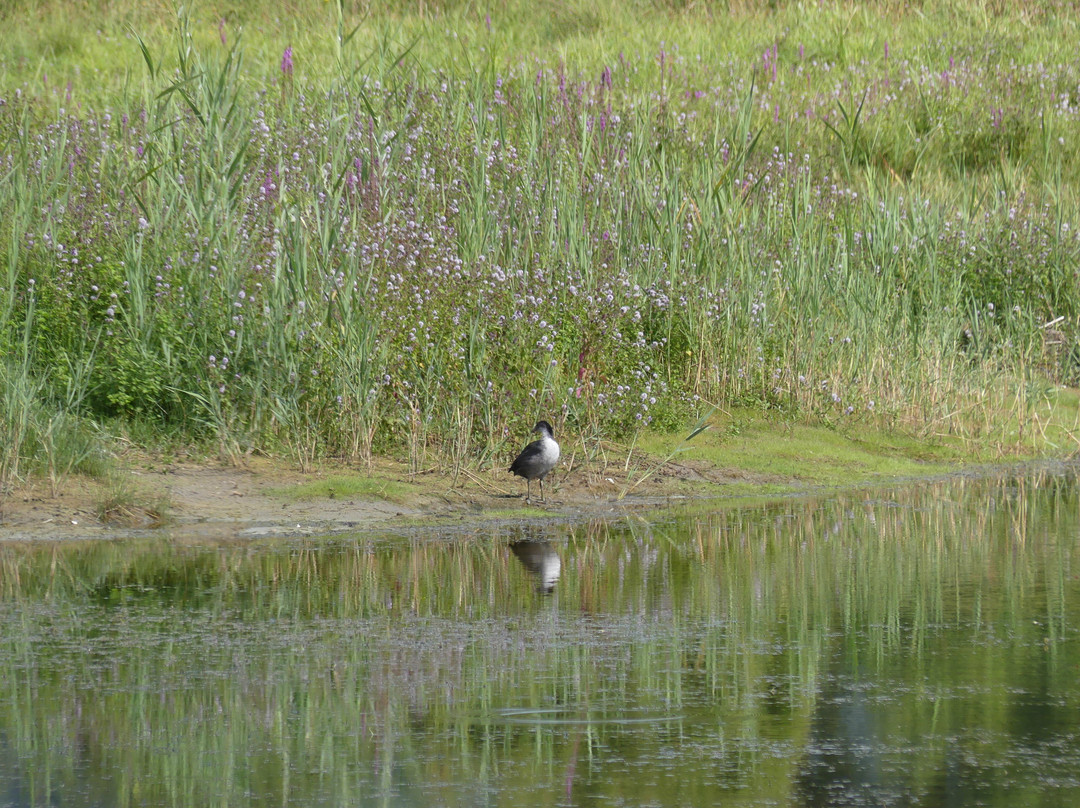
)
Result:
{"points": [[915, 645]]}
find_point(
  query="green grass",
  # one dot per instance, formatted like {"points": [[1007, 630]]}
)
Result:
{"points": [[786, 451], [410, 232], [123, 503]]}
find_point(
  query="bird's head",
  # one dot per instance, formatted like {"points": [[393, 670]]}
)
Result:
{"points": [[543, 428]]}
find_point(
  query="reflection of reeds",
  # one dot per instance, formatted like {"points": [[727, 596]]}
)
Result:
{"points": [[321, 670]]}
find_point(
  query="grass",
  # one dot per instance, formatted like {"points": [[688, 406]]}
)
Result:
{"points": [[793, 452], [412, 232], [124, 504]]}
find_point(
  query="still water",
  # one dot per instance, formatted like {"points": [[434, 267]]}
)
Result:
{"points": [[909, 646]]}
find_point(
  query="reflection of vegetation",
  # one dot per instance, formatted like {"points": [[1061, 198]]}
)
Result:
{"points": [[359, 669]]}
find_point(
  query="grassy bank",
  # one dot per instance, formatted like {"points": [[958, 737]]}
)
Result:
{"points": [[411, 233]]}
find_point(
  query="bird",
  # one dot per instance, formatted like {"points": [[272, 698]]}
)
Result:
{"points": [[537, 459]]}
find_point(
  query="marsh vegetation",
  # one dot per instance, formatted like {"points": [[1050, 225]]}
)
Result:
{"points": [[342, 231]]}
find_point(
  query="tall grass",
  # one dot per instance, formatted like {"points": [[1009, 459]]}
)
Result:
{"points": [[409, 243]]}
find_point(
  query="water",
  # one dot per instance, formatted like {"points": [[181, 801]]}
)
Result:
{"points": [[915, 646]]}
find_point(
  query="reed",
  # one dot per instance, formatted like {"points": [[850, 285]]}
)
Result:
{"points": [[375, 237]]}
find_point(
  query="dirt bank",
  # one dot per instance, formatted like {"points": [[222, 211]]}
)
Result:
{"points": [[266, 497], [195, 497]]}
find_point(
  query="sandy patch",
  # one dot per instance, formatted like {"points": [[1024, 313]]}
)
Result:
{"points": [[258, 500]]}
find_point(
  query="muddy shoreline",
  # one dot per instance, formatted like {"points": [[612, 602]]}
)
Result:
{"points": [[268, 498]]}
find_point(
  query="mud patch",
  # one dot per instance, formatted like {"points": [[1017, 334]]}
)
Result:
{"points": [[220, 502]]}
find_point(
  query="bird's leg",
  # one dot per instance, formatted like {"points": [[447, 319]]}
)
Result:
{"points": [[528, 491], [542, 497]]}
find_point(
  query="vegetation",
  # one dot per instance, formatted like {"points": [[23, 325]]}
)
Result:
{"points": [[348, 232]]}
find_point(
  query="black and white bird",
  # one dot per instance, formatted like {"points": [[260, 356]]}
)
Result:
{"points": [[537, 459]]}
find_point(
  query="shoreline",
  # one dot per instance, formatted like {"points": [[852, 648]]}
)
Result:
{"points": [[270, 500]]}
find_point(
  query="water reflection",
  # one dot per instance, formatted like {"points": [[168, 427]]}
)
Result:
{"points": [[911, 646], [843, 761], [539, 557]]}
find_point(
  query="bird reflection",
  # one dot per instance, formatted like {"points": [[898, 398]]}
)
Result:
{"points": [[539, 558]]}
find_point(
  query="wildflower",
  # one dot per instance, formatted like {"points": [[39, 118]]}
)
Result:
{"points": [[287, 62]]}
